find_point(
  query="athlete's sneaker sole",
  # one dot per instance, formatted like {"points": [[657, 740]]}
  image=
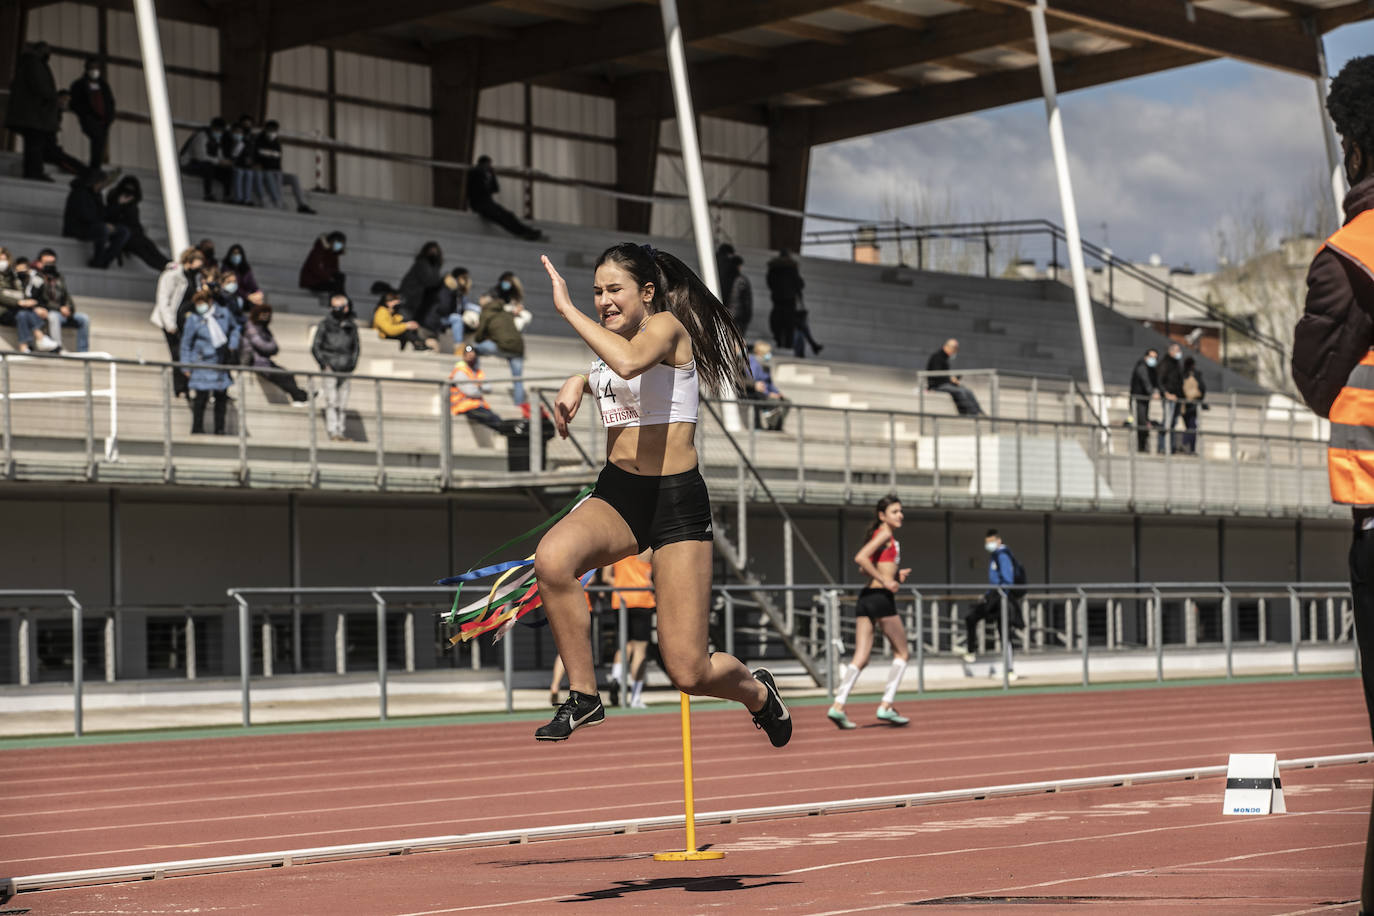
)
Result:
{"points": [[784, 721], [539, 737]]}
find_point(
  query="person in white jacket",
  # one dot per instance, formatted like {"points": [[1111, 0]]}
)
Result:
{"points": [[177, 278]]}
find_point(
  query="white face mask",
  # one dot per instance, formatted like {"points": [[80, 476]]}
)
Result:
{"points": [[990, 546], [202, 308], [92, 75], [4, 266], [231, 287]]}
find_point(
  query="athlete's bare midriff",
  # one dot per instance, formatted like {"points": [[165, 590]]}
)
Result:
{"points": [[653, 451]]}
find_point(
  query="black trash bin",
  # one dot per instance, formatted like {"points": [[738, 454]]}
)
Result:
{"points": [[517, 433]]}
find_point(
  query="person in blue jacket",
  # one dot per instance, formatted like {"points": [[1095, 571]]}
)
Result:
{"points": [[208, 340], [1004, 573]]}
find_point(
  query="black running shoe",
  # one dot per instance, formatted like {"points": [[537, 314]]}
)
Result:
{"points": [[615, 692], [578, 710], [773, 718]]}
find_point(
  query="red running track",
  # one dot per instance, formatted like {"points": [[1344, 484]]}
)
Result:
{"points": [[107, 805]]}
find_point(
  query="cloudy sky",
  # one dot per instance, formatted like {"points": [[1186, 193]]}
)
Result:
{"points": [[1165, 161]]}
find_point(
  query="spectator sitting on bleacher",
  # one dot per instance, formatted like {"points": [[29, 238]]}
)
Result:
{"points": [[764, 389], [241, 151], [391, 323], [49, 288], [259, 346], [482, 187], [206, 155], [179, 279], [422, 282], [466, 396], [939, 362], [500, 330], [94, 106], [121, 209], [454, 312], [268, 152], [1144, 387], [237, 261], [83, 218], [28, 317], [336, 349], [210, 340], [320, 273]]}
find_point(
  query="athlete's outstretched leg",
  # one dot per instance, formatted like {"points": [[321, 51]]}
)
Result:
{"points": [[849, 675], [896, 635], [592, 535], [682, 588]]}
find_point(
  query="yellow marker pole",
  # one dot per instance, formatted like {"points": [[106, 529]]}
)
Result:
{"points": [[691, 854]]}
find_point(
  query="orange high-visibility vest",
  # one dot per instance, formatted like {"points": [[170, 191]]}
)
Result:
{"points": [[1350, 453], [632, 572], [458, 402]]}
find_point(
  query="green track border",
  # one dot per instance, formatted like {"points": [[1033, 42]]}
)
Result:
{"points": [[347, 725]]}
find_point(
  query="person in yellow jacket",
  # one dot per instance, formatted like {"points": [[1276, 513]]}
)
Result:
{"points": [[466, 394], [391, 324], [1333, 364]]}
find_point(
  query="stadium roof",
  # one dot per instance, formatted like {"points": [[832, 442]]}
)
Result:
{"points": [[859, 67]]}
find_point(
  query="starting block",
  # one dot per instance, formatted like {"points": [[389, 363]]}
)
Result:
{"points": [[1253, 785]]}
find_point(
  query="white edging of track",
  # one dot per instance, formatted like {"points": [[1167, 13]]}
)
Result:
{"points": [[607, 828]]}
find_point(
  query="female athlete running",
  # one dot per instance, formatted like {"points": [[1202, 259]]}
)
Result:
{"points": [[880, 558], [660, 330]]}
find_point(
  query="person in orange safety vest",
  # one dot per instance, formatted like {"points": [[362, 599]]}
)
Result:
{"points": [[1333, 364], [465, 395]]}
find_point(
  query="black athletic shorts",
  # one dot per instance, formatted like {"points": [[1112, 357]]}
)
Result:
{"points": [[875, 603], [659, 510], [639, 624]]}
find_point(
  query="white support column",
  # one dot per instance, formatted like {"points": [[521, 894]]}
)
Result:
{"points": [[1339, 187], [696, 178], [1087, 327], [691, 151], [160, 111]]}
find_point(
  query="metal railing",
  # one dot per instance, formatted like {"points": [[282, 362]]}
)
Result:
{"points": [[1116, 625], [983, 234], [77, 657]]}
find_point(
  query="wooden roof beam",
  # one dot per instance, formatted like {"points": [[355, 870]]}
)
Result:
{"points": [[808, 32], [801, 66], [887, 15], [549, 10], [1279, 44], [917, 106], [302, 22], [634, 28]]}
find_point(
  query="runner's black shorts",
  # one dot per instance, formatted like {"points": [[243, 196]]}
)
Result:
{"points": [[659, 510], [875, 603]]}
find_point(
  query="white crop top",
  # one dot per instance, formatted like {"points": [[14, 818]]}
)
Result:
{"points": [[661, 394]]}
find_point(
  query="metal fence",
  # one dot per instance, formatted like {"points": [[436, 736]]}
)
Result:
{"points": [[270, 633]]}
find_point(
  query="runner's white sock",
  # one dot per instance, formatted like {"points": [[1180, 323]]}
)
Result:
{"points": [[849, 676], [617, 671], [894, 679], [636, 691]]}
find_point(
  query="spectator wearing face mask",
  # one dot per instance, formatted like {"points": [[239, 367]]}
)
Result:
{"points": [[1171, 384], [939, 362], [320, 273], [391, 322], [208, 340], [258, 348], [28, 317], [422, 282], [179, 280], [206, 154], [764, 390], [268, 153], [241, 153], [467, 393], [94, 106], [1144, 387], [500, 330], [335, 349], [209, 280], [121, 209], [231, 298], [455, 311], [83, 218], [237, 261], [49, 288]]}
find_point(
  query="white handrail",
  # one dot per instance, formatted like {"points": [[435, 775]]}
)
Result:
{"points": [[111, 392]]}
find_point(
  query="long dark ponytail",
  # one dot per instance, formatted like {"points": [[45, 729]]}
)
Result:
{"points": [[717, 345]]}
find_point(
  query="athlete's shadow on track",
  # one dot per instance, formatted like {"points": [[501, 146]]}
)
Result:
{"points": [[706, 884]]}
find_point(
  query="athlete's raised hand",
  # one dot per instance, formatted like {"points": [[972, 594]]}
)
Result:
{"points": [[561, 300], [566, 403]]}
